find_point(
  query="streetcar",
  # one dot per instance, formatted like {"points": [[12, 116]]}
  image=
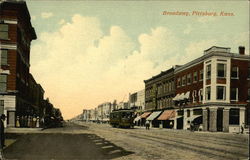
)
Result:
{"points": [[122, 118]]}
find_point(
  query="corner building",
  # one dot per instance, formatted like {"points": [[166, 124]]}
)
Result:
{"points": [[213, 91], [16, 34]]}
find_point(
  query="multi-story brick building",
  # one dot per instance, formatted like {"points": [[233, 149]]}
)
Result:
{"points": [[213, 90], [159, 92], [21, 97], [16, 34]]}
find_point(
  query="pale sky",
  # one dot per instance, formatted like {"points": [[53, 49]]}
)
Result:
{"points": [[90, 52]]}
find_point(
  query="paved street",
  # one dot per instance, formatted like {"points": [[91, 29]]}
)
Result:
{"points": [[61, 143], [174, 144], [100, 141]]}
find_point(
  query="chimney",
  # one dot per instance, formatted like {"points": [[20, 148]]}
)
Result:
{"points": [[242, 50]]}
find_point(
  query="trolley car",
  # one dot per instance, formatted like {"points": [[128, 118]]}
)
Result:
{"points": [[122, 118]]}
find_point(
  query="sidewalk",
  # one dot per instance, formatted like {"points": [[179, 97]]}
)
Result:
{"points": [[23, 130]]}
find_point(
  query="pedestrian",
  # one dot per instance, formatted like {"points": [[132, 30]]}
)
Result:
{"points": [[147, 125], [17, 121], [2, 137], [242, 128]]}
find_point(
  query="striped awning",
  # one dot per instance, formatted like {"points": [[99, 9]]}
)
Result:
{"points": [[145, 115], [154, 115], [166, 115], [137, 118]]}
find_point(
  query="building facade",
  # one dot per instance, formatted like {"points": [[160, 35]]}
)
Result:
{"points": [[159, 94], [213, 90], [16, 34], [160, 90], [21, 97], [137, 100]]}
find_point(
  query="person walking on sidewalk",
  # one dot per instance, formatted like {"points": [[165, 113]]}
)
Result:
{"points": [[147, 125], [242, 128], [2, 137]]}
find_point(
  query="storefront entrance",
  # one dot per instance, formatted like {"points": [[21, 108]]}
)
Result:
{"points": [[180, 123], [220, 120]]}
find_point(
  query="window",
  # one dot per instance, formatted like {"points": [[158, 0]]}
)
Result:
{"points": [[3, 54], [248, 94], [248, 73], [201, 95], [221, 70], [209, 71], [3, 83], [208, 93], [178, 82], [234, 94], [194, 95], [183, 80], [234, 72], [189, 78], [170, 86], [195, 77], [1, 107], [201, 75], [234, 116], [188, 113], [221, 92], [4, 28]]}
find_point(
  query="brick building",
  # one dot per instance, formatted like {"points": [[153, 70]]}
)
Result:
{"points": [[21, 97], [213, 91], [159, 94]]}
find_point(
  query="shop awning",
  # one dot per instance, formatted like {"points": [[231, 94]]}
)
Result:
{"points": [[182, 96], [145, 115], [176, 117], [186, 96], [154, 115], [167, 115], [193, 117], [176, 98], [137, 118]]}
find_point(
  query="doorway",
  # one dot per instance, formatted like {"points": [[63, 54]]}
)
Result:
{"points": [[220, 119]]}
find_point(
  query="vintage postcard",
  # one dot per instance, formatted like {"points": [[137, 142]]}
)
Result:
{"points": [[124, 80]]}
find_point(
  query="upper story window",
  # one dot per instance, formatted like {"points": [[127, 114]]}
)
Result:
{"points": [[3, 83], [208, 93], [166, 85], [170, 86], [4, 58], [178, 82], [195, 77], [209, 71], [4, 34], [221, 70], [234, 72], [248, 73], [189, 78], [201, 75], [183, 80], [201, 95], [194, 95], [248, 94], [188, 113], [221, 93], [234, 94], [1, 107]]}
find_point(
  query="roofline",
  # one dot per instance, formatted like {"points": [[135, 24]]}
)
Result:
{"points": [[162, 73], [26, 10], [202, 58]]}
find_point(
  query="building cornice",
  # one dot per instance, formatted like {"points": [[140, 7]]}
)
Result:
{"points": [[211, 54]]}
